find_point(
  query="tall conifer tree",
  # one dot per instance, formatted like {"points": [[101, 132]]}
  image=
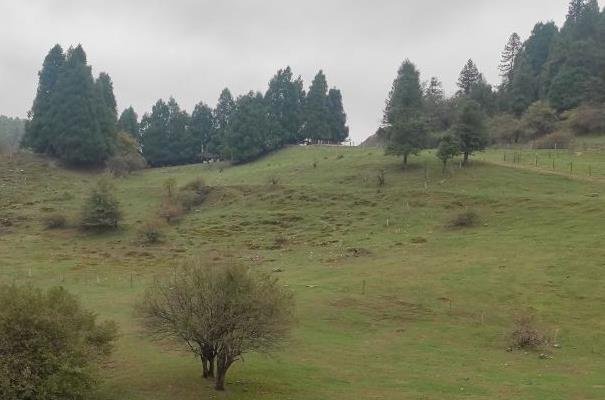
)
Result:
{"points": [[40, 129], [317, 119]]}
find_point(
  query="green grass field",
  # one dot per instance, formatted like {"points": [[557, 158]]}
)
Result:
{"points": [[391, 304]]}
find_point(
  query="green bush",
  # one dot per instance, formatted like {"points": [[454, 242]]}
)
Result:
{"points": [[127, 158], [49, 345], [101, 209]]}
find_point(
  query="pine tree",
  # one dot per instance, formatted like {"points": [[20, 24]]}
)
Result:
{"points": [[406, 94], [40, 129], [523, 87], [247, 135], [285, 98], [483, 93], [316, 112], [434, 92], [509, 58], [154, 137], [404, 120], [339, 131], [470, 129], [107, 112], [222, 117], [202, 128], [78, 136], [129, 122], [469, 76]]}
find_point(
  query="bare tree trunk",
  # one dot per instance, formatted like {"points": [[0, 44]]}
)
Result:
{"points": [[222, 365], [444, 167], [465, 161], [205, 373], [405, 160]]}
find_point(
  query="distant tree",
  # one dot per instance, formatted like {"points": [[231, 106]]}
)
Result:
{"points": [[469, 77], [437, 108], [49, 345], [249, 133], [523, 89], [470, 129], [165, 135], [11, 133], [41, 129], [339, 131], [285, 98], [434, 92], [509, 57], [129, 122], [101, 209], [107, 112], [222, 117], [483, 93], [404, 121], [81, 131], [203, 130], [449, 147], [219, 313], [316, 112]]}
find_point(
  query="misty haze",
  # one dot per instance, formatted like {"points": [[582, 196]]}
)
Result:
{"points": [[302, 200]]}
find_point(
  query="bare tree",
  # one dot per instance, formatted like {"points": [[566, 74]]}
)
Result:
{"points": [[219, 313]]}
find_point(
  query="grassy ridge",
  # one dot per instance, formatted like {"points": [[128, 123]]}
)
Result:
{"points": [[437, 306]]}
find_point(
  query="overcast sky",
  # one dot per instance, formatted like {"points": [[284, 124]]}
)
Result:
{"points": [[191, 49]]}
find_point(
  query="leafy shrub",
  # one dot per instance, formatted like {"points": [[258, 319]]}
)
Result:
{"points": [[539, 120], [189, 199], [586, 119], [171, 210], [101, 210], [192, 194], [55, 221], [128, 158], [465, 219], [525, 334], [559, 139], [49, 345], [506, 129], [151, 232]]}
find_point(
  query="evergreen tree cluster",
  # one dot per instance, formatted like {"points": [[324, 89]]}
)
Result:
{"points": [[414, 112], [245, 128], [563, 67], [74, 116]]}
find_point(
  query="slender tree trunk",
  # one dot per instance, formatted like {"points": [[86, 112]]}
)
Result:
{"points": [[444, 167], [405, 160], [222, 365], [205, 372], [209, 355], [465, 161]]}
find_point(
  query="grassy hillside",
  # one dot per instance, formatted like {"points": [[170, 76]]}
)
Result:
{"points": [[391, 303]]}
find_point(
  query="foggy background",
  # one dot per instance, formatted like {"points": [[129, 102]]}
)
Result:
{"points": [[193, 49]]}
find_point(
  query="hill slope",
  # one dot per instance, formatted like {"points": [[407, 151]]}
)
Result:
{"points": [[391, 304]]}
